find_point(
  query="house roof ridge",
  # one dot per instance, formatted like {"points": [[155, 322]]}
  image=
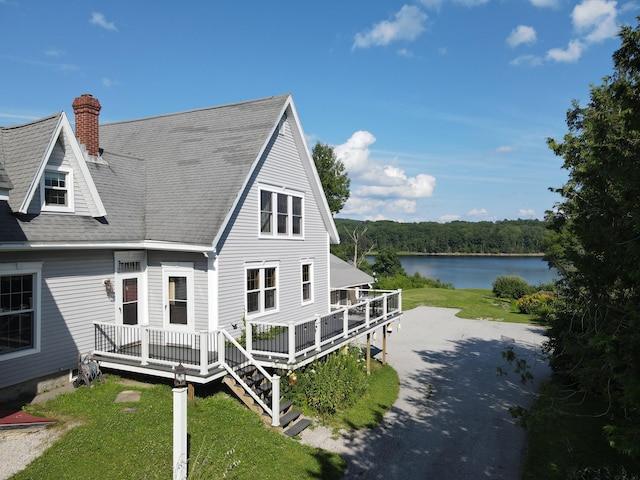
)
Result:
{"points": [[195, 110], [33, 122]]}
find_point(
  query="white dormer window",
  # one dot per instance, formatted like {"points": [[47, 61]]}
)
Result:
{"points": [[56, 189]]}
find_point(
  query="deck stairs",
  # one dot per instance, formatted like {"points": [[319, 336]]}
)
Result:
{"points": [[292, 422]]}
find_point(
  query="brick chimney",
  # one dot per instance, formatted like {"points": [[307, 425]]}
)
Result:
{"points": [[87, 110]]}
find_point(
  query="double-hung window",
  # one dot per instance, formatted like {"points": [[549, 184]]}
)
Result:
{"points": [[19, 309], [57, 190], [281, 213], [307, 281], [261, 289]]}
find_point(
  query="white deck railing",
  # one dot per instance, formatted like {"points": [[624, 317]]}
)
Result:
{"points": [[288, 342], [284, 343]]}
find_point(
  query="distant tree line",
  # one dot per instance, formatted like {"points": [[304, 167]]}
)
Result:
{"points": [[505, 236]]}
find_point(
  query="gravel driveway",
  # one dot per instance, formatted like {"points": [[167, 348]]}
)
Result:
{"points": [[451, 419]]}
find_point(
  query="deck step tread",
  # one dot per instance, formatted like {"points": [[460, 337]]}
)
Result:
{"points": [[285, 405], [297, 427], [289, 417]]}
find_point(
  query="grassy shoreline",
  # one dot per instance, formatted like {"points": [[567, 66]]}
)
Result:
{"points": [[453, 254]]}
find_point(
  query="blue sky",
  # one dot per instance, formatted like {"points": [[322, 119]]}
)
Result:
{"points": [[440, 109]]}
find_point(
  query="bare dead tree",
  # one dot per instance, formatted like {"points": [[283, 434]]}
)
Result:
{"points": [[357, 237]]}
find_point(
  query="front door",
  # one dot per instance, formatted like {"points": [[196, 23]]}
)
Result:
{"points": [[129, 292], [178, 296], [130, 302]]}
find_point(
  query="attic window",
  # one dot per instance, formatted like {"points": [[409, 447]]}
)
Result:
{"points": [[57, 191], [281, 213], [55, 188]]}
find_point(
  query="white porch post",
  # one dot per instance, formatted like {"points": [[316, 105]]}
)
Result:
{"points": [[204, 352], [145, 345], [318, 332], [345, 323], [384, 305], [249, 337], [275, 401], [221, 352], [180, 433], [292, 342]]}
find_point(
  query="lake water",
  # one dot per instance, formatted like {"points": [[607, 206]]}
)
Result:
{"points": [[478, 271]]}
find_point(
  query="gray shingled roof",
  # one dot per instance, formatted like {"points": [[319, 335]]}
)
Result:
{"points": [[171, 178], [23, 147], [196, 163], [5, 181], [344, 275]]}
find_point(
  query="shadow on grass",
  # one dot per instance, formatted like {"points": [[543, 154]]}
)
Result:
{"points": [[329, 468]]}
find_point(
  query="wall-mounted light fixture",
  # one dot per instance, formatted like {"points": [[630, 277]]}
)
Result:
{"points": [[108, 287]]}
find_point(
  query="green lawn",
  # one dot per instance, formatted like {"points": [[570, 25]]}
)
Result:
{"points": [[473, 303], [114, 443], [134, 440]]}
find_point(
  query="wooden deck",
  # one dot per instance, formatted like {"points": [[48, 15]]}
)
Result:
{"points": [[211, 355]]}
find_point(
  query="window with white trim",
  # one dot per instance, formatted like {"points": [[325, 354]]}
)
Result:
{"points": [[281, 213], [19, 309], [56, 187], [307, 282], [261, 289]]}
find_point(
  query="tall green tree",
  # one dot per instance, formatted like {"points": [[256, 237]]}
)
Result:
{"points": [[388, 263], [333, 176], [595, 339]]}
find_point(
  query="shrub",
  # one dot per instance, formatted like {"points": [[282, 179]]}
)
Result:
{"points": [[408, 282], [511, 286], [328, 385], [540, 304]]}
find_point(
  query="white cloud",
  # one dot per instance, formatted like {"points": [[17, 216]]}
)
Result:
{"points": [[52, 52], [408, 24], [523, 213], [528, 60], [505, 149], [420, 186], [571, 54], [481, 212], [362, 206], [596, 19], [354, 153], [449, 218], [522, 34], [100, 20], [379, 187]]}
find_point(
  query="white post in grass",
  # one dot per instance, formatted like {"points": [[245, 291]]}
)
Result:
{"points": [[180, 424]]}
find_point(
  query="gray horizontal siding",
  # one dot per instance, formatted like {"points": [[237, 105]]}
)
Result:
{"points": [[72, 297], [154, 278], [282, 167]]}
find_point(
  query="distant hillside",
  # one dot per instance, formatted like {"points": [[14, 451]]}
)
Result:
{"points": [[502, 237]]}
